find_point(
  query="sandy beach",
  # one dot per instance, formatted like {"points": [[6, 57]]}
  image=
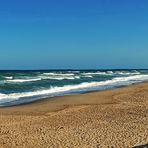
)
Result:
{"points": [[115, 118]]}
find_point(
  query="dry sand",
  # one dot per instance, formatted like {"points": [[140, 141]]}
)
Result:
{"points": [[109, 119]]}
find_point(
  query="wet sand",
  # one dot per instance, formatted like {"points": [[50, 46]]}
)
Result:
{"points": [[115, 118]]}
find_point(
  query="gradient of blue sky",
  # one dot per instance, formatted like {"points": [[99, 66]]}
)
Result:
{"points": [[44, 34]]}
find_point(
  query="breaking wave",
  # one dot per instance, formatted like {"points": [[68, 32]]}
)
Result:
{"points": [[85, 86]]}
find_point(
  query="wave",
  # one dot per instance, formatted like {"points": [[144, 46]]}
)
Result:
{"points": [[112, 73], [23, 80], [88, 76], [59, 77], [10, 77], [42, 78], [96, 73], [59, 74], [85, 86], [127, 73], [74, 71], [66, 76]]}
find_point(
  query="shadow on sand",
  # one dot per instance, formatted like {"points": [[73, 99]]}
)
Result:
{"points": [[141, 146]]}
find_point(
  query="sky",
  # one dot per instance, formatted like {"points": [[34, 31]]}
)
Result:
{"points": [[73, 34]]}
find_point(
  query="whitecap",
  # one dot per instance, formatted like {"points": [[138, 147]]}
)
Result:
{"points": [[9, 77], [23, 80]]}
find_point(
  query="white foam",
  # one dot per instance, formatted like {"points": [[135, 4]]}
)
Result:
{"points": [[88, 76], [9, 77], [39, 78], [23, 80], [59, 77], [96, 73], [59, 74], [74, 71], [112, 73], [69, 88], [127, 73], [77, 77]]}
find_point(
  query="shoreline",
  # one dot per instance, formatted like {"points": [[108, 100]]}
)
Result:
{"points": [[60, 99], [116, 117], [69, 95]]}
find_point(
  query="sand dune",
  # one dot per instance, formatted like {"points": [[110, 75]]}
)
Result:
{"points": [[115, 119]]}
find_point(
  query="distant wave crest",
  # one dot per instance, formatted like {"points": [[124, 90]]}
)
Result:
{"points": [[23, 80]]}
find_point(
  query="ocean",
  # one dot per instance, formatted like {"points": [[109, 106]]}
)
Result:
{"points": [[17, 87]]}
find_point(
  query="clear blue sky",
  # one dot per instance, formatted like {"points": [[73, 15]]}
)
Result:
{"points": [[45, 34]]}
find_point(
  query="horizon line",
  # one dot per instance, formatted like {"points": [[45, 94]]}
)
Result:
{"points": [[73, 69]]}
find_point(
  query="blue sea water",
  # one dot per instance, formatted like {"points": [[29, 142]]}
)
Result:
{"points": [[18, 87]]}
